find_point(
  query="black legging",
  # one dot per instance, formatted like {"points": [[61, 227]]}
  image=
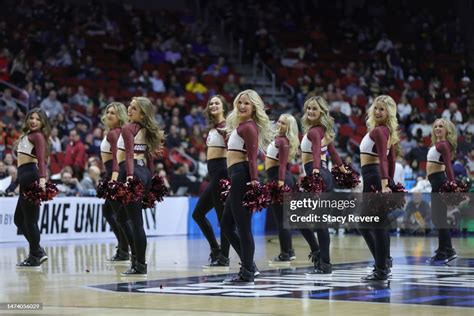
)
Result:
{"points": [[439, 211], [26, 212], [324, 239], [284, 235], [134, 210], [237, 219], [210, 199], [378, 239], [110, 210]]}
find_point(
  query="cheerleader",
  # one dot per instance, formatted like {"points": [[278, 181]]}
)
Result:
{"points": [[114, 118], [282, 149], [249, 128], [216, 164], [440, 170], [32, 154], [318, 127], [377, 157], [139, 139]]}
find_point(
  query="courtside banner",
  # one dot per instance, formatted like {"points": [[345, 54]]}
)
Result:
{"points": [[81, 218]]}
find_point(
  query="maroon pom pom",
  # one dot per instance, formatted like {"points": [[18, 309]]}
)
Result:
{"points": [[348, 180], [149, 200], [158, 188], [50, 192], [257, 197], [130, 192], [453, 193], [277, 192], [35, 194], [385, 202], [224, 188], [313, 183], [102, 189], [113, 189]]}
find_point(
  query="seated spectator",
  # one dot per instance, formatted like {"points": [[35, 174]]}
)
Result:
{"points": [[452, 113], [7, 100], [423, 126], [194, 86], [404, 108], [56, 146], [80, 98], [88, 185], [140, 56], [14, 187], [173, 55], [173, 140], [230, 86], [176, 86], [75, 155], [195, 117], [52, 106], [69, 186], [88, 70], [417, 214], [181, 183], [218, 69], [157, 84], [3, 170]]}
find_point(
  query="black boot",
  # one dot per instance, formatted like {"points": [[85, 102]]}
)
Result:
{"points": [[120, 255], [292, 254], [378, 275], [136, 269], [244, 277], [282, 257], [215, 253], [323, 268], [220, 261], [315, 257]]}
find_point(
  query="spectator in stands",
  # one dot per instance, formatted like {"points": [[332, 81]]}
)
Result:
{"points": [[88, 70], [157, 84], [81, 98], [219, 68], [468, 127], [195, 117], [173, 140], [19, 69], [384, 44], [3, 136], [9, 160], [181, 183], [176, 86], [423, 126], [140, 56], [155, 54], [144, 83], [7, 101], [173, 54], [196, 87], [63, 58], [465, 144], [452, 113], [199, 47], [90, 181], [459, 166], [52, 106], [69, 186], [13, 188], [9, 117], [56, 146], [3, 170], [418, 153], [75, 155], [417, 214], [404, 108], [230, 86], [394, 61]]}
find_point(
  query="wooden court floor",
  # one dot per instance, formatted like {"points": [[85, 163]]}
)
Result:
{"points": [[77, 280]]}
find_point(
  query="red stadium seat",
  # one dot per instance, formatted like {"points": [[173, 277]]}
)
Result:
{"points": [[346, 130]]}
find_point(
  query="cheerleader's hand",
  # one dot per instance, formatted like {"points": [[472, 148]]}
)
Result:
{"points": [[42, 183], [254, 182], [281, 183], [315, 171], [343, 169], [386, 189]]}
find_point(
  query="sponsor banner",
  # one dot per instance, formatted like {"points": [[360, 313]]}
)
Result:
{"points": [[81, 218]]}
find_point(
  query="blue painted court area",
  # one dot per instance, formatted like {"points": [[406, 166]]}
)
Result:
{"points": [[412, 282]]}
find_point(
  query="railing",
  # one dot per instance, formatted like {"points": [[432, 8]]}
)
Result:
{"points": [[287, 88], [24, 105], [259, 67]]}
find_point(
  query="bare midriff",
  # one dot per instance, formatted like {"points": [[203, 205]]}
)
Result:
{"points": [[234, 157], [216, 153], [106, 157], [121, 156], [307, 157], [366, 159], [433, 167], [270, 162], [24, 159]]}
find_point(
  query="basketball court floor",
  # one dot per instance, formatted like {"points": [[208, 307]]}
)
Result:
{"points": [[77, 280]]}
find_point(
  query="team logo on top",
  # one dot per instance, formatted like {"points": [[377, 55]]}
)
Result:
{"points": [[139, 147]]}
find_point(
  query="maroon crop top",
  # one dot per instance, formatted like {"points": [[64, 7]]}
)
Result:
{"points": [[34, 145], [112, 137], [315, 135], [245, 139]]}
